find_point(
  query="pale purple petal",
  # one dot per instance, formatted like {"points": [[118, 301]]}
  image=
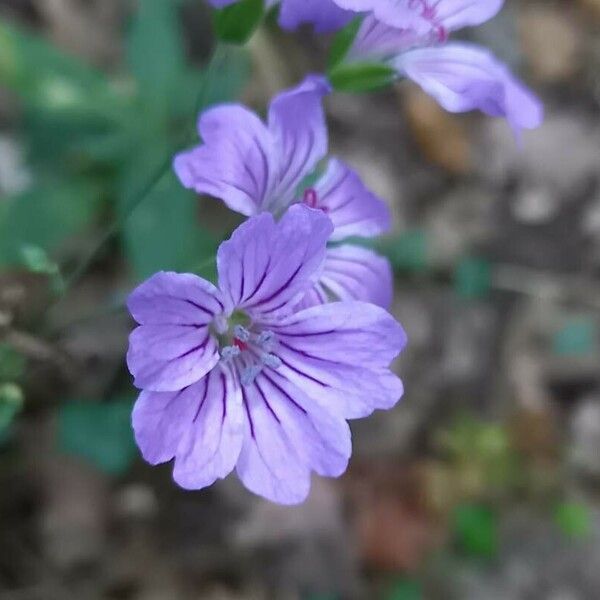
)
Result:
{"points": [[324, 15], [463, 77], [237, 161], [210, 445], [455, 14], [266, 266], [377, 40], [173, 347], [288, 435], [403, 14], [297, 124], [200, 426], [352, 208], [355, 273], [340, 353]]}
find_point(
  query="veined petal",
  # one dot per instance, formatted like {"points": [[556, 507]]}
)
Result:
{"points": [[340, 353], [266, 266], [352, 208], [237, 161], [288, 435], [210, 445], [297, 123], [455, 14], [175, 298], [324, 15], [377, 40], [355, 273], [403, 14], [201, 426], [463, 77], [173, 347]]}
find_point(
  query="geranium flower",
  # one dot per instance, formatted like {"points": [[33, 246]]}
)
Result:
{"points": [[255, 167], [460, 76], [239, 377]]}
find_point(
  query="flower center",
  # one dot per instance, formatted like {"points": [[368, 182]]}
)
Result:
{"points": [[250, 350]]}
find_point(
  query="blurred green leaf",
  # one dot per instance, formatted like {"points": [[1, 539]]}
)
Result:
{"points": [[99, 433], [342, 42], [156, 55], [163, 232], [49, 78], [407, 251], [12, 364], [473, 278], [236, 23], [578, 337], [573, 519], [476, 530], [11, 403], [45, 216], [405, 589], [361, 77]]}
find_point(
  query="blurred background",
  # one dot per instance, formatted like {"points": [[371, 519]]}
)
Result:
{"points": [[482, 484]]}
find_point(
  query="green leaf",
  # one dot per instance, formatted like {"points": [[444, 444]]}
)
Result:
{"points": [[45, 217], [578, 337], [235, 24], [49, 78], [11, 403], [12, 364], [407, 251], [163, 232], [155, 54], [473, 278], [476, 530], [573, 519], [342, 42], [99, 433], [405, 589], [361, 77]]}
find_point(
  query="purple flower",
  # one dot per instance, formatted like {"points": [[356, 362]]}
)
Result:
{"points": [[255, 167], [239, 377], [324, 15], [460, 76]]}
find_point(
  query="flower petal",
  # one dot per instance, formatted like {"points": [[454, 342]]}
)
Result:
{"points": [[174, 298], [210, 445], [403, 14], [455, 14], [237, 161], [324, 15], [288, 435], [266, 266], [378, 40], [355, 273], [297, 123], [352, 208], [463, 77], [340, 353], [201, 426], [172, 348]]}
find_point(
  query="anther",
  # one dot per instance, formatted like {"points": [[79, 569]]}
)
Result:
{"points": [[270, 360], [241, 333], [229, 352]]}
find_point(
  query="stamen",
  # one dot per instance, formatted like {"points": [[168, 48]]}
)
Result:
{"points": [[270, 360], [241, 333], [249, 374], [229, 353]]}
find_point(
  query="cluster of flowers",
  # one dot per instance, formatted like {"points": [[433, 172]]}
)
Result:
{"points": [[261, 373]]}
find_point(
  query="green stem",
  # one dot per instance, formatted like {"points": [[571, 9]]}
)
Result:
{"points": [[155, 178]]}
